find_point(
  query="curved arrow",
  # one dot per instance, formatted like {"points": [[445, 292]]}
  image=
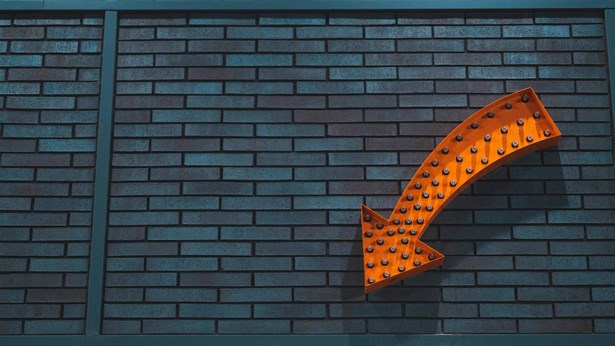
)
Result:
{"points": [[508, 128]]}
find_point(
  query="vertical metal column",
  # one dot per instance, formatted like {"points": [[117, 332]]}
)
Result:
{"points": [[101, 184], [609, 32]]}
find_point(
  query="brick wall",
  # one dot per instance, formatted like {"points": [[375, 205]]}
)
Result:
{"points": [[49, 73], [244, 144]]}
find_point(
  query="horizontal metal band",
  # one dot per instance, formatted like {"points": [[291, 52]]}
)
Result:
{"points": [[230, 5]]}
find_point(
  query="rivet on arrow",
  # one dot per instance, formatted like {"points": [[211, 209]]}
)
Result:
{"points": [[440, 195], [425, 194], [536, 115], [469, 170], [401, 230], [392, 249], [417, 186], [434, 163], [529, 138], [379, 225], [490, 114], [417, 263], [420, 220], [417, 206], [508, 105], [368, 218], [384, 261], [487, 138], [514, 144], [474, 149], [370, 264], [484, 160], [405, 255], [396, 221], [431, 256], [418, 250], [446, 171], [369, 234], [403, 210], [459, 158], [474, 125], [429, 207], [409, 197], [525, 98], [453, 183], [501, 151], [408, 221], [386, 275], [459, 137], [426, 174], [404, 240], [520, 122], [435, 182], [504, 129], [390, 232], [380, 241], [401, 268], [547, 132], [370, 249], [413, 232], [445, 150], [371, 280]]}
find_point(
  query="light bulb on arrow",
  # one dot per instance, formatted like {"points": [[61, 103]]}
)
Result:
{"points": [[506, 129]]}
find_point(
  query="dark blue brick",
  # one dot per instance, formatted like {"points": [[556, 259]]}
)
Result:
{"points": [[289, 311], [255, 203], [476, 294], [513, 278], [595, 278], [259, 60], [363, 73], [328, 59], [254, 327], [184, 326], [255, 294], [289, 279], [139, 310], [584, 309], [329, 32], [542, 294], [418, 45], [480, 326], [53, 327], [466, 31]]}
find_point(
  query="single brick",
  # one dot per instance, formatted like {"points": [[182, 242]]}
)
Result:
{"points": [[478, 294], [291, 46], [398, 59], [289, 311], [480, 326], [440, 45], [466, 31], [139, 310], [183, 326], [254, 327], [542, 294], [363, 73], [258, 60], [329, 32], [189, 33], [181, 264], [329, 59]]}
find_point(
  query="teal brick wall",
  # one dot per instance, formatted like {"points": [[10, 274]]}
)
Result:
{"points": [[49, 76], [244, 144]]}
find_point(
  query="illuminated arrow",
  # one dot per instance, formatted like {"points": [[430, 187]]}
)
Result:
{"points": [[504, 130]]}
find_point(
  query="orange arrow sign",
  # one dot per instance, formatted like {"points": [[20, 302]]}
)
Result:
{"points": [[510, 127]]}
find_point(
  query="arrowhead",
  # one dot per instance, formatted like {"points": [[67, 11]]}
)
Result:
{"points": [[391, 252]]}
